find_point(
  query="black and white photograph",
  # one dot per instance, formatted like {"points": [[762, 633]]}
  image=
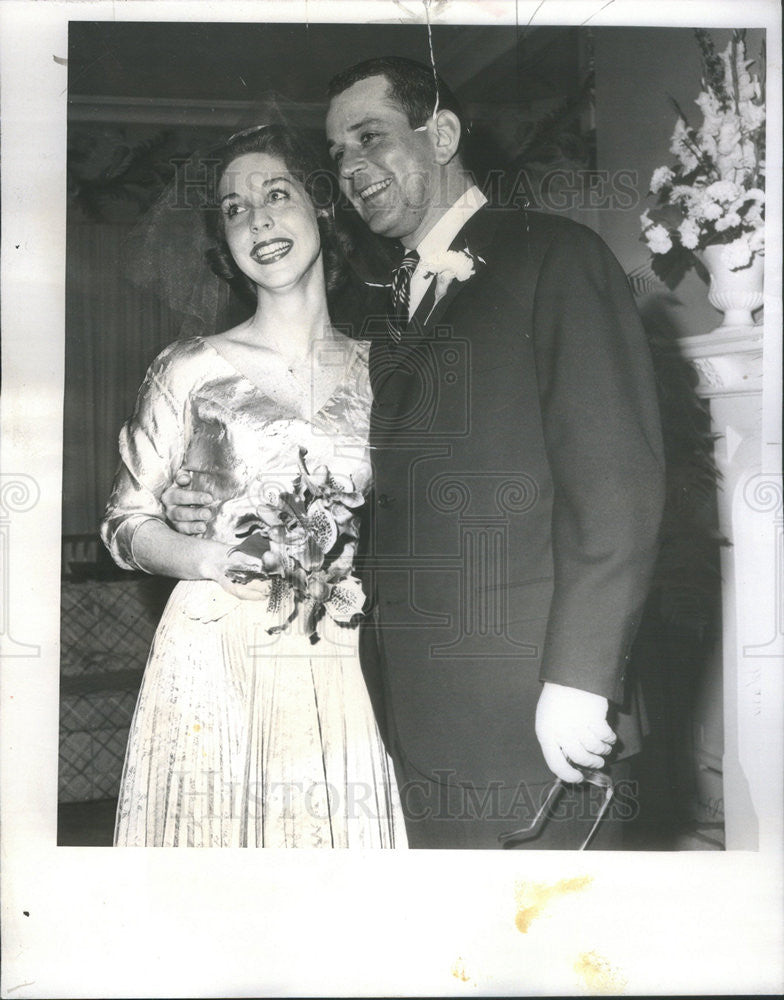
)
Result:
{"points": [[392, 466]]}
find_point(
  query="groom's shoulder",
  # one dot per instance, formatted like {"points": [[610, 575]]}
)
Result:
{"points": [[539, 231]]}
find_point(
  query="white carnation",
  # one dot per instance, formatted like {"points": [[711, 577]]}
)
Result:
{"points": [[450, 263], [689, 233], [658, 239], [709, 210], [727, 221], [722, 191]]}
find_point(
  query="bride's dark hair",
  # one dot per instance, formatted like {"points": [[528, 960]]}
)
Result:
{"points": [[319, 183]]}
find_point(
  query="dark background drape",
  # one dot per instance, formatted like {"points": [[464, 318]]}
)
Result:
{"points": [[114, 331]]}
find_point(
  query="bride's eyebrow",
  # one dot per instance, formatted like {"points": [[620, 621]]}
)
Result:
{"points": [[265, 184]]}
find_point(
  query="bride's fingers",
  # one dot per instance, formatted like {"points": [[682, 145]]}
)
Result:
{"points": [[244, 559], [243, 570], [251, 591], [248, 588]]}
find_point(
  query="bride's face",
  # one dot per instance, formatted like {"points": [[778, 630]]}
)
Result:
{"points": [[269, 221]]}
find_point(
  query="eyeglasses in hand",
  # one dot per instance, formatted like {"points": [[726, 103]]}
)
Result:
{"points": [[535, 827]]}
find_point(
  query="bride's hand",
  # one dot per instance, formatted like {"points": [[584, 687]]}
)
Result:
{"points": [[217, 563]]}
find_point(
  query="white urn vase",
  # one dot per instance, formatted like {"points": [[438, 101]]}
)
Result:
{"points": [[735, 293]]}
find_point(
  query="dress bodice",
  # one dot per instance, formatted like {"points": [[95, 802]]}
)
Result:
{"points": [[196, 411]]}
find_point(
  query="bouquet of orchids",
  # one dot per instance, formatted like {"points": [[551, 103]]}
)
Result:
{"points": [[306, 539], [714, 193]]}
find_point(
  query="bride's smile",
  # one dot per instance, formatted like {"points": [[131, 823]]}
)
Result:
{"points": [[269, 251]]}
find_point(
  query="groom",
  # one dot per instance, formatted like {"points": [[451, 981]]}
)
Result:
{"points": [[518, 478]]}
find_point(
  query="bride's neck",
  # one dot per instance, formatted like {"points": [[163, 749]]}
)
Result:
{"points": [[291, 320]]}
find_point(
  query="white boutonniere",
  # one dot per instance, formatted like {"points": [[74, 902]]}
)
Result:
{"points": [[448, 266]]}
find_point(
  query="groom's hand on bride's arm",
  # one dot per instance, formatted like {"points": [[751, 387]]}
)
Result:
{"points": [[572, 728], [187, 510]]}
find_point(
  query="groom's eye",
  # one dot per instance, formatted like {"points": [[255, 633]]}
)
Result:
{"points": [[367, 137]]}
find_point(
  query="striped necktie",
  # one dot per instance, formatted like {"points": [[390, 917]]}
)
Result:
{"points": [[400, 295]]}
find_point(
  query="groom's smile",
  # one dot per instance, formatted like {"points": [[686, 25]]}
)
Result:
{"points": [[386, 167], [368, 192]]}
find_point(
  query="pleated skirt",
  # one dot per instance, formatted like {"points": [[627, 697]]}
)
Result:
{"points": [[242, 738]]}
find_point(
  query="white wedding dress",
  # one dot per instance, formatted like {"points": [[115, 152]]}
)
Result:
{"points": [[242, 737]]}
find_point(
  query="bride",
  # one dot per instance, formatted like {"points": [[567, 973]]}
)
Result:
{"points": [[253, 725]]}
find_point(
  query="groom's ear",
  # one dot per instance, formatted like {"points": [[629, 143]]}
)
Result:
{"points": [[446, 132]]}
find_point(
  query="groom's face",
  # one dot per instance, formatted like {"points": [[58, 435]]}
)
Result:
{"points": [[386, 168]]}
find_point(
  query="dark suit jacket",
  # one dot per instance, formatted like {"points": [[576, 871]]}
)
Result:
{"points": [[518, 492]]}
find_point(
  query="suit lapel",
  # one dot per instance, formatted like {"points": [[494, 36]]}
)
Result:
{"points": [[475, 236]]}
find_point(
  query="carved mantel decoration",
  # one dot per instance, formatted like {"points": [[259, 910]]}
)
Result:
{"points": [[728, 360]]}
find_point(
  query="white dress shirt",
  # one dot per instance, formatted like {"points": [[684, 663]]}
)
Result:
{"points": [[439, 238]]}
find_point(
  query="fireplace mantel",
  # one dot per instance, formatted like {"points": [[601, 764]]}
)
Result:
{"points": [[729, 363]]}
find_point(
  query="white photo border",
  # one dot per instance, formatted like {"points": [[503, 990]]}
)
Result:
{"points": [[157, 923]]}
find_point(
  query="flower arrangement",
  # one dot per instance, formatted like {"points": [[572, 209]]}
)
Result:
{"points": [[306, 539], [714, 193], [446, 266]]}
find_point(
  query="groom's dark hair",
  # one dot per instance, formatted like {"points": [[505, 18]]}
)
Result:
{"points": [[411, 85]]}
